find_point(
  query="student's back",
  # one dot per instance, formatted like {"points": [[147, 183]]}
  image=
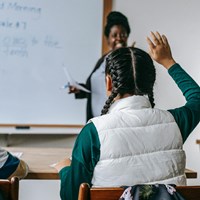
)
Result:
{"points": [[134, 143], [136, 139]]}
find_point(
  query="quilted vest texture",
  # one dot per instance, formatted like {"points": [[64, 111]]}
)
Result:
{"points": [[139, 145]]}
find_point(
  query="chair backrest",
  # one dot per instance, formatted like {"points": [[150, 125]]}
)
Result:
{"points": [[87, 193], [9, 189], [189, 192]]}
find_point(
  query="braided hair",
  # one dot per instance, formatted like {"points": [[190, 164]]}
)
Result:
{"points": [[116, 18], [132, 72]]}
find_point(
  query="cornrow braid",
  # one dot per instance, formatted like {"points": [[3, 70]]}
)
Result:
{"points": [[132, 72], [114, 93], [151, 99], [145, 74], [122, 80], [108, 102]]}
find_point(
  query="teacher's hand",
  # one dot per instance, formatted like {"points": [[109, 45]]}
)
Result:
{"points": [[73, 89]]}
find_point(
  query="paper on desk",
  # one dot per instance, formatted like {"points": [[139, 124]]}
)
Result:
{"points": [[53, 165], [72, 82], [17, 154]]}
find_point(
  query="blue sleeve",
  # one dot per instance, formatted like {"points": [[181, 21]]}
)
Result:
{"points": [[9, 166]]}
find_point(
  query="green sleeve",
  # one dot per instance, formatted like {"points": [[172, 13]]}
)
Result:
{"points": [[85, 155], [188, 116]]}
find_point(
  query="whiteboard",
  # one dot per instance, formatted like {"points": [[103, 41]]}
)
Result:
{"points": [[38, 38]]}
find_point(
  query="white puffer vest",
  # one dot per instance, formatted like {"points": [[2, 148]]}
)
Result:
{"points": [[138, 145]]}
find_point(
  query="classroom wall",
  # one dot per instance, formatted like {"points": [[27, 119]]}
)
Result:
{"points": [[179, 21]]}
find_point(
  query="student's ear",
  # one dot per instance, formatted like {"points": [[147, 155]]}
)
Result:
{"points": [[108, 85]]}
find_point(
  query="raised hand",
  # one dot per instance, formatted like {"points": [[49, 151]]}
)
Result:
{"points": [[159, 50]]}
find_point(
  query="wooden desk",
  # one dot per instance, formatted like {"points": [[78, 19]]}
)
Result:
{"points": [[40, 159], [190, 173]]}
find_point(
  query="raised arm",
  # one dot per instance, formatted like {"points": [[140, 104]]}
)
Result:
{"points": [[159, 50], [187, 116]]}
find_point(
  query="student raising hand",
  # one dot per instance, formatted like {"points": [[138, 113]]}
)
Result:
{"points": [[159, 50], [132, 137]]}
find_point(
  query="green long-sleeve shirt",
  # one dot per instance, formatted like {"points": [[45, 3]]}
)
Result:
{"points": [[86, 151]]}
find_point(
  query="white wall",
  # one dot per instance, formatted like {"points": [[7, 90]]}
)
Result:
{"points": [[179, 21]]}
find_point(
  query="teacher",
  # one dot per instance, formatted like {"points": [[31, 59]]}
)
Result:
{"points": [[116, 31]]}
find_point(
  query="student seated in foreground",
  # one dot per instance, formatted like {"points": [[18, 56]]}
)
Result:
{"points": [[133, 142], [11, 166]]}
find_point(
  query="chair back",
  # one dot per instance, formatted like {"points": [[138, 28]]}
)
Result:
{"points": [[189, 192], [87, 193], [114, 193], [9, 189]]}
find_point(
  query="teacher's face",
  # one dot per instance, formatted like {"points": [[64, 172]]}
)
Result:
{"points": [[117, 37]]}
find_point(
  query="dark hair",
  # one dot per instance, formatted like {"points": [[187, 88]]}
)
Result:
{"points": [[116, 18], [132, 72]]}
